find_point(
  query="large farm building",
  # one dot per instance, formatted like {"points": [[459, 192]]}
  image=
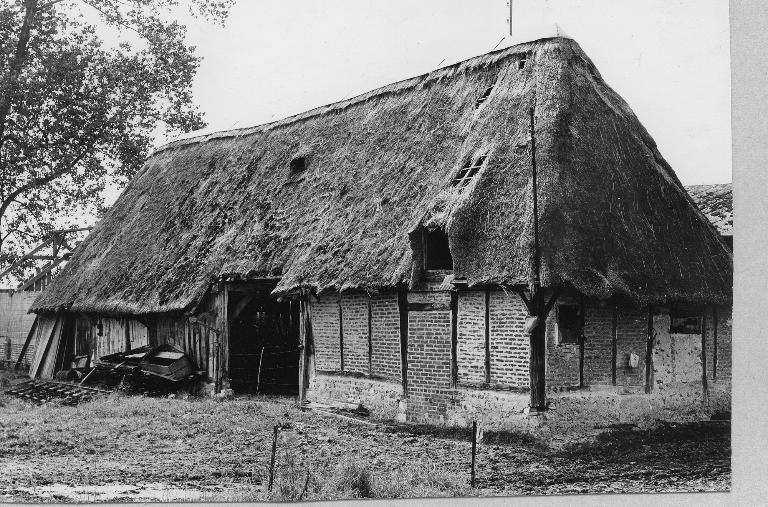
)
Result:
{"points": [[396, 250]]}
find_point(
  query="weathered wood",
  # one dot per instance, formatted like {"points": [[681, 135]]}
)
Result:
{"points": [[402, 305], [474, 452], [454, 337], [538, 358], [649, 352], [341, 334], [25, 347], [272, 459], [714, 342], [704, 384], [487, 337], [370, 336], [614, 341]]}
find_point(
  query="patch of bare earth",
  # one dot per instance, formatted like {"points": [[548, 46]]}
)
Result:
{"points": [[131, 448]]}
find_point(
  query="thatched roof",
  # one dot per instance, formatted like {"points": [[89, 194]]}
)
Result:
{"points": [[614, 217], [716, 202]]}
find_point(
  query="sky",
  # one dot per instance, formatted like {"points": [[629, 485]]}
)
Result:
{"points": [[669, 59]]}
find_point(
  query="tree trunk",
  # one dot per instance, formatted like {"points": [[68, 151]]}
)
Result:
{"points": [[17, 63]]}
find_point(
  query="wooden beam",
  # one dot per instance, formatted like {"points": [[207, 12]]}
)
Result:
{"points": [[341, 335], [302, 349], [30, 335], [704, 386], [614, 342], [25, 257], [370, 336], [454, 337], [487, 336], [714, 341], [39, 276], [526, 301], [402, 305], [649, 352]]}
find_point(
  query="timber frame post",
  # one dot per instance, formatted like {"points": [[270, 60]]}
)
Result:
{"points": [[538, 310], [303, 349], [538, 307]]}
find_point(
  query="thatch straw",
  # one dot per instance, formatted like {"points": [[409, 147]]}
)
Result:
{"points": [[716, 202], [614, 217]]}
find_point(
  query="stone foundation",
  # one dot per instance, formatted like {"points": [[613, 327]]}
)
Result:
{"points": [[380, 397], [583, 410]]}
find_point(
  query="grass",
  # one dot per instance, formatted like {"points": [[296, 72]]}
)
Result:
{"points": [[214, 450]]}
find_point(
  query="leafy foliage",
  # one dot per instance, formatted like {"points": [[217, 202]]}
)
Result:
{"points": [[78, 110]]}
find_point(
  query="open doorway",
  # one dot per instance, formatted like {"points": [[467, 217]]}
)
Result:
{"points": [[263, 345]]}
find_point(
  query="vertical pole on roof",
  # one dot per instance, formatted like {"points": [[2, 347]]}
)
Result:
{"points": [[538, 307], [714, 342], [536, 260], [510, 16]]}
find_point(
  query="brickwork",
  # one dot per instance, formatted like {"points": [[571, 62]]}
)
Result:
{"points": [[15, 324], [562, 368], [385, 325], [354, 311], [429, 365], [471, 337], [509, 343], [598, 334], [325, 331], [632, 338]]}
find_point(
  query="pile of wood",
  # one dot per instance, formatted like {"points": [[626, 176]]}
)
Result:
{"points": [[45, 390]]}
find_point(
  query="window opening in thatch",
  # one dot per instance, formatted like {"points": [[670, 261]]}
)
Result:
{"points": [[521, 64], [437, 254], [482, 98], [298, 165], [568, 323], [466, 173]]}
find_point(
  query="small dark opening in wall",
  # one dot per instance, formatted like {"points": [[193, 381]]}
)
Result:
{"points": [[298, 165], [684, 320], [521, 64], [482, 98], [568, 323], [437, 254]]}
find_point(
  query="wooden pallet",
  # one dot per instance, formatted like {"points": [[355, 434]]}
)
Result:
{"points": [[44, 390]]}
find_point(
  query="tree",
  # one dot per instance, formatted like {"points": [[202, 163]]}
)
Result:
{"points": [[76, 111]]}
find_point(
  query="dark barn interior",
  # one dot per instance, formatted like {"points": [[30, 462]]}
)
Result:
{"points": [[263, 345]]}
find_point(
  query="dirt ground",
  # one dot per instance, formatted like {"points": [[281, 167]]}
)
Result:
{"points": [[133, 448]]}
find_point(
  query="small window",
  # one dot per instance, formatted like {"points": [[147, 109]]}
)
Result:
{"points": [[466, 173], [437, 254], [684, 322], [483, 97], [298, 167], [568, 323], [521, 64]]}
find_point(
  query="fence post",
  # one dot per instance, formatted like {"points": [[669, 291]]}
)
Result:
{"points": [[272, 461], [474, 451]]}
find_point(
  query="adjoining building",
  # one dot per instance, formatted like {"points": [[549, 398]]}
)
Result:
{"points": [[382, 250]]}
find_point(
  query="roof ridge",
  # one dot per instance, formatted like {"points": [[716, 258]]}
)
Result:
{"points": [[397, 86]]}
